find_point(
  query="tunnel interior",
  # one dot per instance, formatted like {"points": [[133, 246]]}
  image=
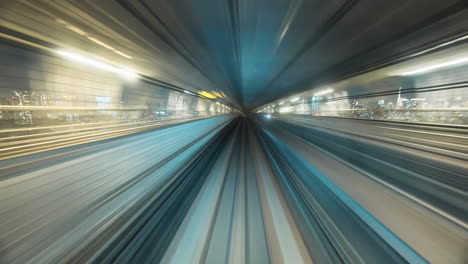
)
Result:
{"points": [[233, 131]]}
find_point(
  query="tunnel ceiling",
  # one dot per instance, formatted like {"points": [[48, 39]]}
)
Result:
{"points": [[252, 51]]}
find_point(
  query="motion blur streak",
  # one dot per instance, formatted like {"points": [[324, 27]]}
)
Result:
{"points": [[233, 131]]}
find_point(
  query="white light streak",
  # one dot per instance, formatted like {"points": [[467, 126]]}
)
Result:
{"points": [[323, 92], [437, 66], [97, 64], [281, 103], [295, 99], [123, 54]]}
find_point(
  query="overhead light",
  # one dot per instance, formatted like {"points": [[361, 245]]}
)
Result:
{"points": [[97, 64], [437, 66], [187, 92], [323, 92], [281, 103], [295, 99], [217, 103]]}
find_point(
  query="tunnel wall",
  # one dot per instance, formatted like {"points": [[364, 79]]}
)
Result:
{"points": [[30, 80]]}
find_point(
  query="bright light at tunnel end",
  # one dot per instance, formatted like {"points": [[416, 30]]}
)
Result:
{"points": [[128, 74]]}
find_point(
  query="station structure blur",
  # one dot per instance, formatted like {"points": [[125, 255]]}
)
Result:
{"points": [[233, 131]]}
